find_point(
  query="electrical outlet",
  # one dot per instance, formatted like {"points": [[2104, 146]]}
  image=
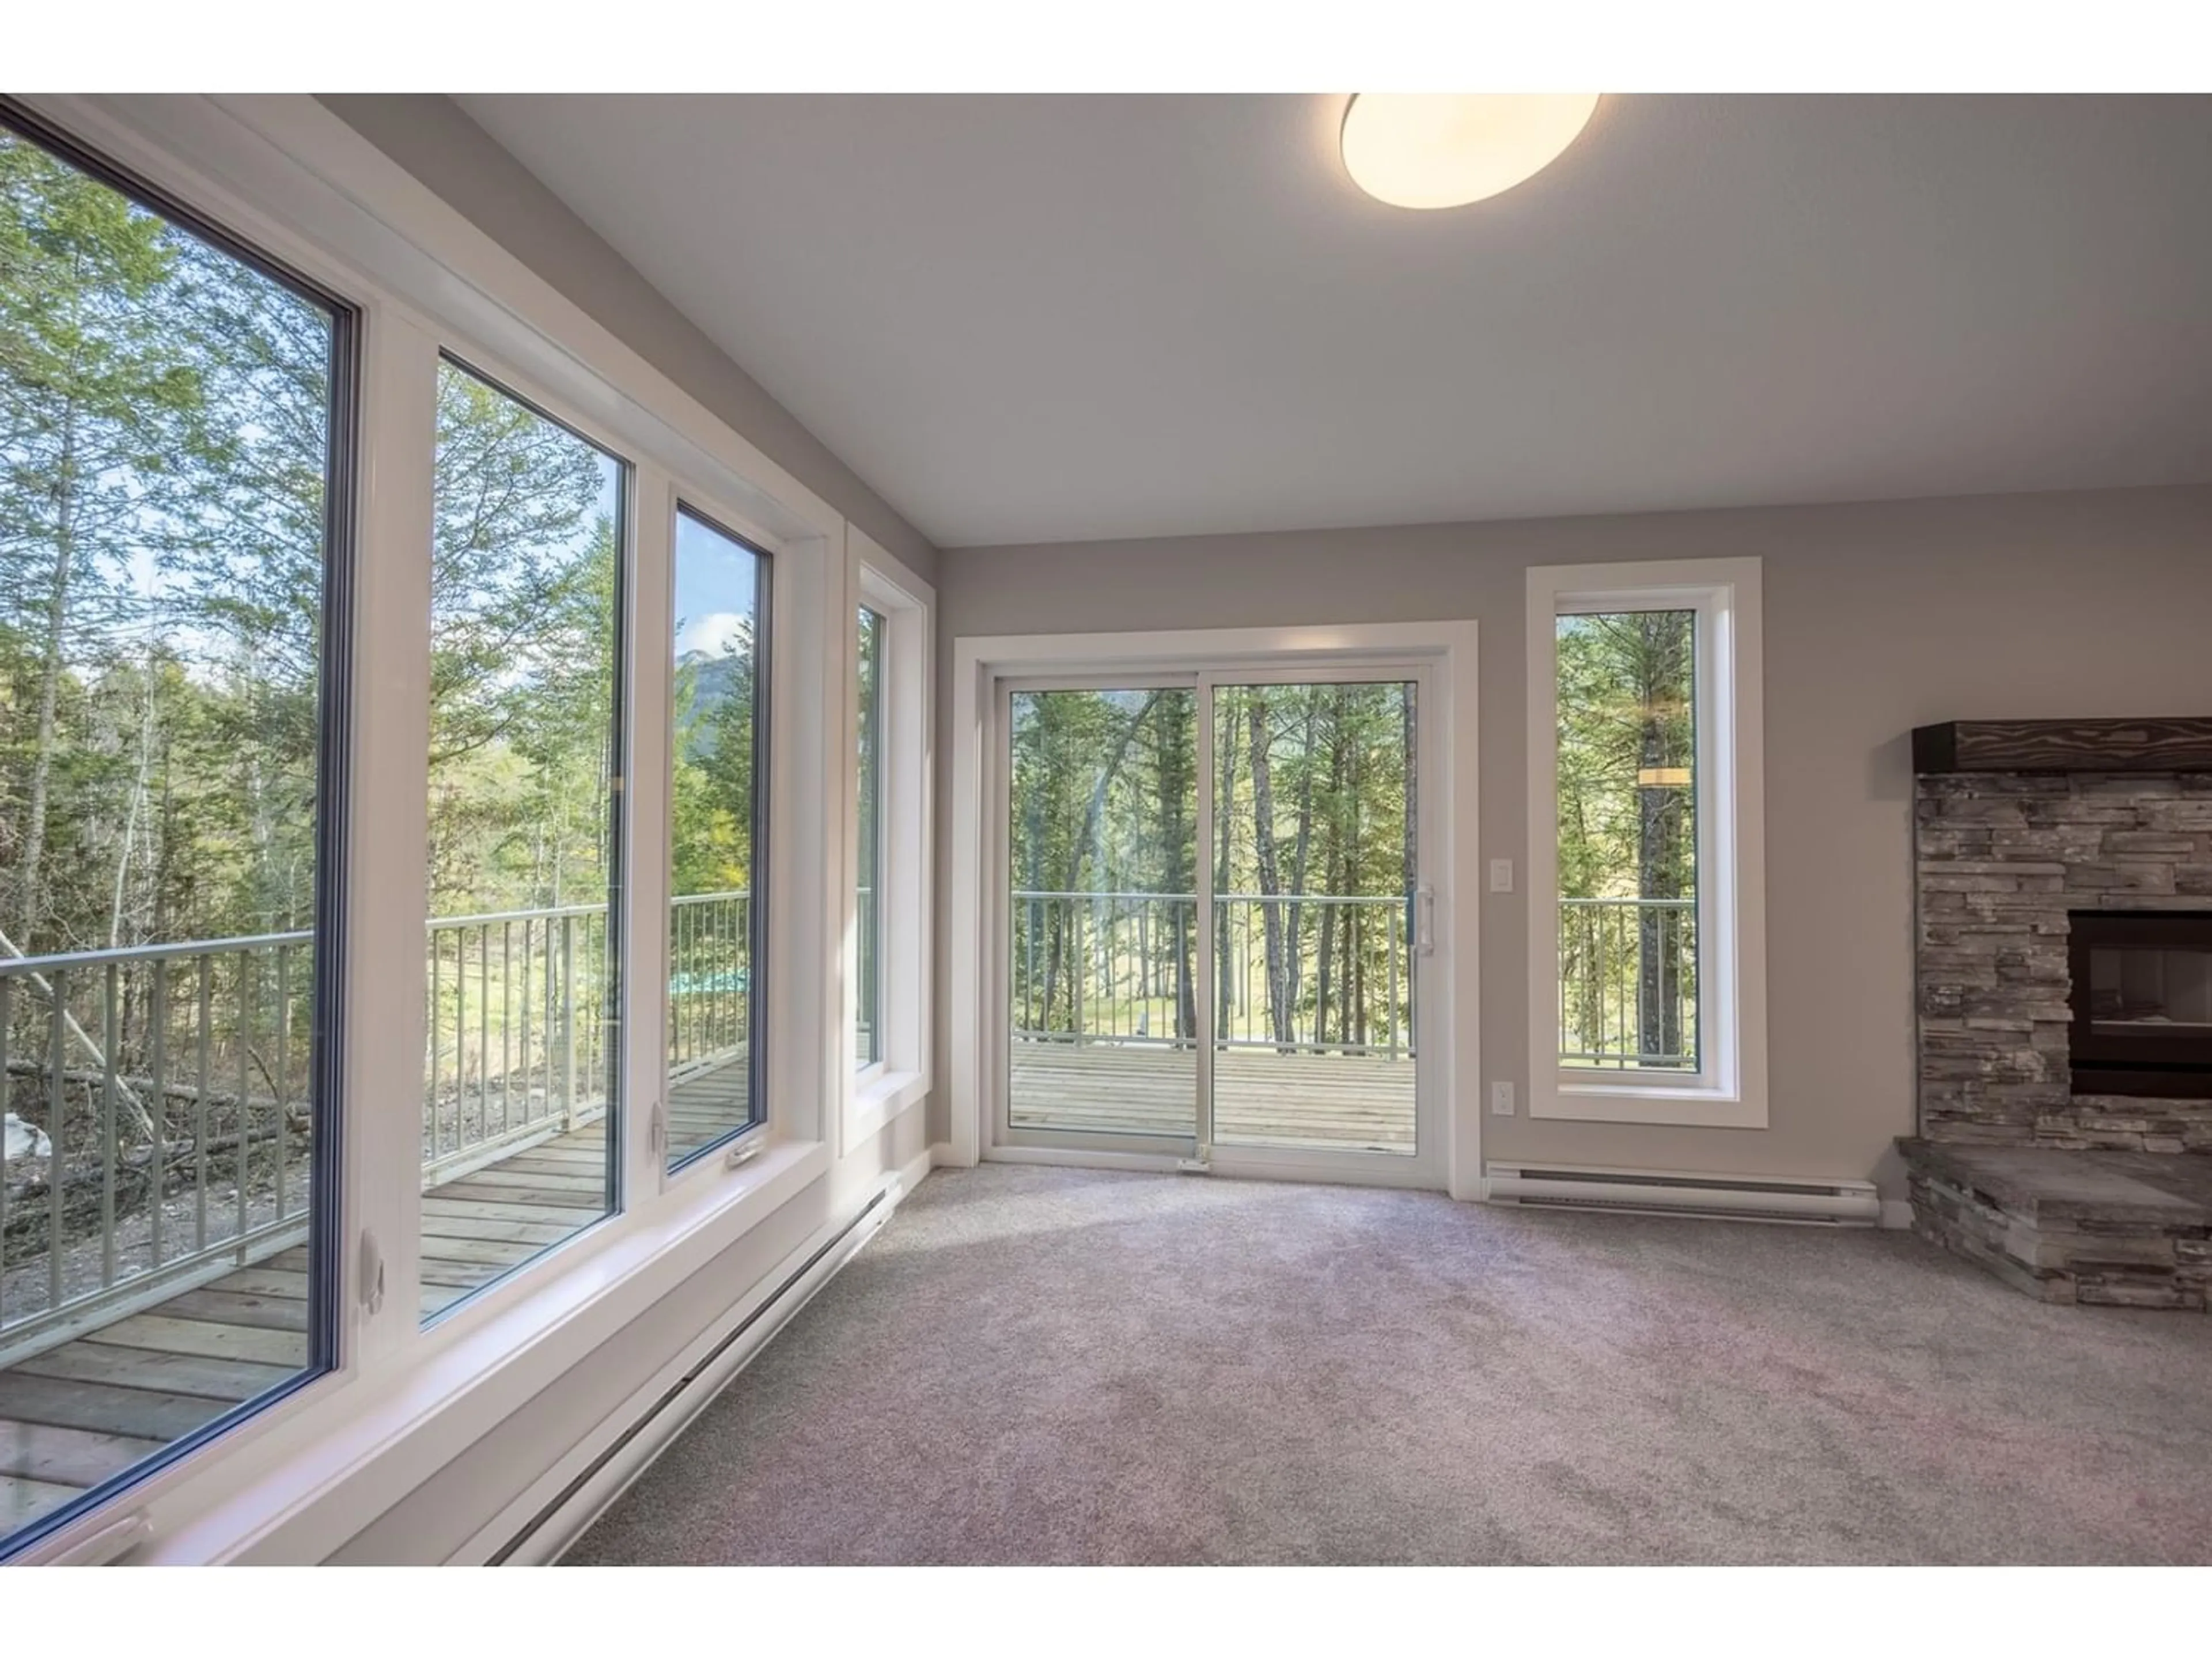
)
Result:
{"points": [[1501, 875], [1501, 1100]]}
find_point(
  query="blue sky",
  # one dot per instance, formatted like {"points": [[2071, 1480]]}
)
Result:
{"points": [[714, 583]]}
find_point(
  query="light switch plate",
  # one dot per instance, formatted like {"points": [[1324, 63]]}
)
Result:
{"points": [[1501, 875], [1501, 1100]]}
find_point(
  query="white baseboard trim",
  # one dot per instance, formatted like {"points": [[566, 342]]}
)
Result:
{"points": [[1896, 1214], [911, 1174], [559, 1506]]}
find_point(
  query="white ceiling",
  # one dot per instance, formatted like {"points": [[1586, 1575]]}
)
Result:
{"points": [[1052, 319]]}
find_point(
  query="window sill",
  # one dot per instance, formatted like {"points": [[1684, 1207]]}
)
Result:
{"points": [[879, 1096], [1571, 1099]]}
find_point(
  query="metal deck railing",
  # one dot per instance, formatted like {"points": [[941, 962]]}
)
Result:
{"points": [[1628, 983], [170, 1085], [1303, 972]]}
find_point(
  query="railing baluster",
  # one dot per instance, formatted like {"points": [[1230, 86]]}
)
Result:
{"points": [[158, 1059], [283, 1071], [244, 1116], [483, 1029], [58, 1133], [567, 1022], [506, 1022], [107, 1150], [205, 1079], [460, 1033], [437, 1048], [529, 1032]]}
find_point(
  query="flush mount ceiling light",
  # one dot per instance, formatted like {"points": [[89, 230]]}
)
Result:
{"points": [[1446, 149]]}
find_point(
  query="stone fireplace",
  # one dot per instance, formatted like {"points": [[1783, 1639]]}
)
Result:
{"points": [[2063, 971]]}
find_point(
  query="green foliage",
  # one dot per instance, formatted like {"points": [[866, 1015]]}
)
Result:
{"points": [[1627, 802], [157, 731], [164, 453], [1313, 792]]}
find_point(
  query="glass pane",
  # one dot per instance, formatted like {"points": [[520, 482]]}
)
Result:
{"points": [[1102, 978], [2153, 991], [714, 997], [867, 1044], [165, 466], [1628, 840], [1316, 804], [526, 743]]}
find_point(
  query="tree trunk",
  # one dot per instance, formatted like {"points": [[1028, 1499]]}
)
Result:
{"points": [[1295, 975], [1223, 810], [1658, 1014], [1332, 870], [1176, 756], [50, 678], [1271, 884]]}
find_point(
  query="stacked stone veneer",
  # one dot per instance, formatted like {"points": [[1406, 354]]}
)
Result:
{"points": [[2002, 858]]}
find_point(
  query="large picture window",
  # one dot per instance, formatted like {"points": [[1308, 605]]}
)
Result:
{"points": [[524, 851], [173, 553], [718, 845], [1647, 925]]}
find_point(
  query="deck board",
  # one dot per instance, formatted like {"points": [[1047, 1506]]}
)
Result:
{"points": [[22, 1500], [1322, 1102], [76, 1413], [103, 1408]]}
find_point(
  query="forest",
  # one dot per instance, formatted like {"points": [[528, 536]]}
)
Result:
{"points": [[168, 422], [1628, 839], [1314, 857], [1312, 861]]}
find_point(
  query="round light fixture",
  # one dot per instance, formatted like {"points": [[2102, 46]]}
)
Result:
{"points": [[1446, 149]]}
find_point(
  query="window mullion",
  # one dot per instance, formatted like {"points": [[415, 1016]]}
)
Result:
{"points": [[647, 883], [385, 967]]}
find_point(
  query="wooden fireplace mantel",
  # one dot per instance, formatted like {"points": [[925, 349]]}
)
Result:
{"points": [[2139, 745]]}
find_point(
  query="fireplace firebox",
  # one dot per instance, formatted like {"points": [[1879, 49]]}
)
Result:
{"points": [[2142, 1002]]}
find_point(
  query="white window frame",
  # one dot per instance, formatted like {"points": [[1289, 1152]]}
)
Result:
{"points": [[289, 177], [1730, 1090], [899, 1078], [974, 989]]}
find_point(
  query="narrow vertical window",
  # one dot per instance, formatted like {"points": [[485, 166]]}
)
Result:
{"points": [[173, 521], [1627, 841], [868, 1018], [716, 997], [1646, 856], [887, 996], [525, 854]]}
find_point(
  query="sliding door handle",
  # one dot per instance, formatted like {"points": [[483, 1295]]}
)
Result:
{"points": [[1424, 921]]}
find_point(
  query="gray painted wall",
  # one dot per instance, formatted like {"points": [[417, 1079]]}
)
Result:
{"points": [[1879, 617], [432, 137]]}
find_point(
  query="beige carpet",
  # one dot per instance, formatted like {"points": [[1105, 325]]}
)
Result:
{"points": [[1039, 1365]]}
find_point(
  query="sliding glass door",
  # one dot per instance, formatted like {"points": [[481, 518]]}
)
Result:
{"points": [[1213, 916], [1316, 887], [1102, 916]]}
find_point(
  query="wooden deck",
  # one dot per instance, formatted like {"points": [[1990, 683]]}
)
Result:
{"points": [[74, 1415], [1309, 1103]]}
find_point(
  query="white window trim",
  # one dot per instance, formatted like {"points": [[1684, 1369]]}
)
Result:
{"points": [[982, 663], [1731, 1091], [289, 177], [899, 1080]]}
